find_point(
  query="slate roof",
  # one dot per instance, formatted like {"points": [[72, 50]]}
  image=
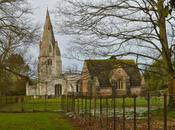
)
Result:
{"points": [[102, 69]]}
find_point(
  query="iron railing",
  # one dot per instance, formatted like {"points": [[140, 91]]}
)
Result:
{"points": [[150, 112]]}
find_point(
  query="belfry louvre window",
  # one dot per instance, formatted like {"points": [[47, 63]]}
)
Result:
{"points": [[120, 84], [49, 62]]}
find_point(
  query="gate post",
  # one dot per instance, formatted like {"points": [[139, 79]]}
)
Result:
{"points": [[165, 111]]}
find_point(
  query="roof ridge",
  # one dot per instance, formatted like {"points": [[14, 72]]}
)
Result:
{"points": [[107, 59], [129, 61]]}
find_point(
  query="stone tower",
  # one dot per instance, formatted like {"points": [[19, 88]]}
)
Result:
{"points": [[50, 65]]}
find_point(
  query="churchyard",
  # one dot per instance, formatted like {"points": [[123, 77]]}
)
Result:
{"points": [[96, 113], [128, 50]]}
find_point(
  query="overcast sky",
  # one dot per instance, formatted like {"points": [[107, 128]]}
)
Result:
{"points": [[40, 7]]}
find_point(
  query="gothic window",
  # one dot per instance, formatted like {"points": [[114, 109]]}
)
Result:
{"points": [[49, 62], [119, 84], [58, 89]]}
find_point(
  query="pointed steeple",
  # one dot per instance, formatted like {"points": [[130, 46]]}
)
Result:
{"points": [[50, 64], [47, 20], [48, 30]]}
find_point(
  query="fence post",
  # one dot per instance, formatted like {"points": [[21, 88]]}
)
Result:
{"points": [[82, 107], [66, 103], [22, 104], [61, 98], [123, 112], [107, 113], [148, 111], [72, 104], [90, 110], [95, 106], [45, 103], [78, 107], [85, 106], [165, 111], [5, 99], [100, 110], [33, 103], [114, 112], [135, 112]]}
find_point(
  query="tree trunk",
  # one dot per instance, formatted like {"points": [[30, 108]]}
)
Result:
{"points": [[172, 93]]}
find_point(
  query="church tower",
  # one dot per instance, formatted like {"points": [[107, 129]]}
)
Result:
{"points": [[50, 65]]}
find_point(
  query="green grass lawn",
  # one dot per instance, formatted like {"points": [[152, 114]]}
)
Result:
{"points": [[30, 104], [34, 121], [129, 102]]}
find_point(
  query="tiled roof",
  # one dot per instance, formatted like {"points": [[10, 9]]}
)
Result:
{"points": [[102, 69]]}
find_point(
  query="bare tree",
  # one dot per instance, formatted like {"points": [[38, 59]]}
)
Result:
{"points": [[17, 31], [72, 69], [141, 29]]}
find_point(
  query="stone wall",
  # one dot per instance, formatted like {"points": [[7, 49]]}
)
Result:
{"points": [[30, 90], [136, 90]]}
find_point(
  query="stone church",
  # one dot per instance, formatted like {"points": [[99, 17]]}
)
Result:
{"points": [[51, 80], [104, 76], [111, 76]]}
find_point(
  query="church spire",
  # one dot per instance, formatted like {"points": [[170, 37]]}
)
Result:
{"points": [[47, 20], [48, 30]]}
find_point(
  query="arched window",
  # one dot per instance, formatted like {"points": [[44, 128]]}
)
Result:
{"points": [[49, 62], [58, 89], [119, 84]]}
